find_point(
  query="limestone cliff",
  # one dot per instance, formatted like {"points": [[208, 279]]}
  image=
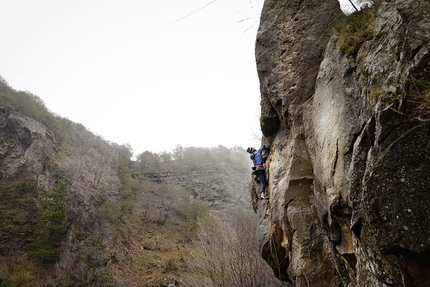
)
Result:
{"points": [[218, 186], [348, 145], [26, 146]]}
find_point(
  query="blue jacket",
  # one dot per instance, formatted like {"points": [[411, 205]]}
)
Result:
{"points": [[257, 157]]}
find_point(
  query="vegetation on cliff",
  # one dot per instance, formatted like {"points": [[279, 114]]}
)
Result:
{"points": [[348, 158], [354, 30], [93, 216]]}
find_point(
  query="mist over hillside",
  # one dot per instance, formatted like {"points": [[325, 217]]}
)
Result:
{"points": [[78, 210]]}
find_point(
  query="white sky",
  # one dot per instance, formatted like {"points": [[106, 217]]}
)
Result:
{"points": [[150, 73]]}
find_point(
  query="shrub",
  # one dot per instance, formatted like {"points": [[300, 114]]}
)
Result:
{"points": [[355, 29]]}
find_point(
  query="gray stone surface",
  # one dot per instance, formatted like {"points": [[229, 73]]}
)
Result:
{"points": [[349, 152]]}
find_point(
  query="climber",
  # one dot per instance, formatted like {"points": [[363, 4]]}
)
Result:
{"points": [[257, 159]]}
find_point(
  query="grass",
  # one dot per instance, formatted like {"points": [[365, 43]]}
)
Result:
{"points": [[354, 29], [419, 86], [357, 28]]}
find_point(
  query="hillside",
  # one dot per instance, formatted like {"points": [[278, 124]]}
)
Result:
{"points": [[345, 117], [76, 210]]}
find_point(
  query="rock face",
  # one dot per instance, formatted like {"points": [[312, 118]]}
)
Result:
{"points": [[25, 148], [220, 187], [348, 147]]}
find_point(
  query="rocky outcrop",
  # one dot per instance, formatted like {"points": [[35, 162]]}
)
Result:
{"points": [[349, 148], [218, 186], [25, 148]]}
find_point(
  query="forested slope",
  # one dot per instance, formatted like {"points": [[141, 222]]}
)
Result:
{"points": [[77, 210]]}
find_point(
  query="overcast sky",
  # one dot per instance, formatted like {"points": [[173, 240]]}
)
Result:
{"points": [[149, 73]]}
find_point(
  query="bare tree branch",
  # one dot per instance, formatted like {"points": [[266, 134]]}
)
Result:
{"points": [[350, 1]]}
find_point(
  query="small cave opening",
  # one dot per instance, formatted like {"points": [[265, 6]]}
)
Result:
{"points": [[356, 228], [351, 259]]}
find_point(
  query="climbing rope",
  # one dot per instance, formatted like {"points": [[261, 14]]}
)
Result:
{"points": [[279, 264]]}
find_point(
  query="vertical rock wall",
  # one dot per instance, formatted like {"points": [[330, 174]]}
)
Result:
{"points": [[26, 147], [349, 149]]}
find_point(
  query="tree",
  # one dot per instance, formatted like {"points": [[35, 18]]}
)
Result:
{"points": [[167, 196], [178, 152], [89, 160], [225, 253], [148, 161], [50, 226], [166, 157]]}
